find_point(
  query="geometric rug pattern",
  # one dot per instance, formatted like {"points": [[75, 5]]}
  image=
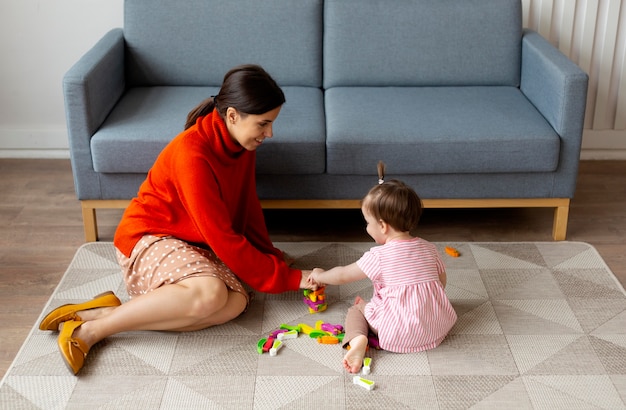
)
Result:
{"points": [[540, 326]]}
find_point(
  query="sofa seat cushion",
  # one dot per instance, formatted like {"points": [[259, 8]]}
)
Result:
{"points": [[146, 119], [437, 130]]}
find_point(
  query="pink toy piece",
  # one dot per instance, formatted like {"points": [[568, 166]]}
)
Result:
{"points": [[276, 332], [315, 300], [319, 308], [334, 329], [313, 305], [372, 340]]}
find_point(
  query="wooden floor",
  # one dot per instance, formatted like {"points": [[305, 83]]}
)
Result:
{"points": [[41, 229]]}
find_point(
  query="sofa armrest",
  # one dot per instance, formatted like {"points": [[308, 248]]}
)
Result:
{"points": [[558, 89], [91, 88]]}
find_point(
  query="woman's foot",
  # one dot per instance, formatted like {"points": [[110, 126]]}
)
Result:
{"points": [[89, 310], [73, 349], [353, 360]]}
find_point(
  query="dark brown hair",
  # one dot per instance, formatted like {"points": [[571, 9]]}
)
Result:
{"points": [[394, 202], [247, 88]]}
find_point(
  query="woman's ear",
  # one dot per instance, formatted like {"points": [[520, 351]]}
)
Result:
{"points": [[231, 115]]}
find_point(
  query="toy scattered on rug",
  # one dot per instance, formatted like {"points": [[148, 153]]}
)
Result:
{"points": [[372, 341], [315, 300], [367, 363], [452, 251], [363, 382], [324, 333]]}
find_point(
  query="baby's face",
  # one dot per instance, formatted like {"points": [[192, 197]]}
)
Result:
{"points": [[374, 227]]}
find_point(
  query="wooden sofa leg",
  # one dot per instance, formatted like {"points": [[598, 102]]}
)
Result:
{"points": [[559, 229], [90, 206], [89, 223]]}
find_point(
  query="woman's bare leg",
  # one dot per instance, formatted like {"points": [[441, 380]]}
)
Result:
{"points": [[191, 304]]}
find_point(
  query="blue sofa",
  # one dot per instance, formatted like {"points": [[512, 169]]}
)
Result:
{"points": [[455, 96]]}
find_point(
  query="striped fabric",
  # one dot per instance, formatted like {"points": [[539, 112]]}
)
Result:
{"points": [[409, 307]]}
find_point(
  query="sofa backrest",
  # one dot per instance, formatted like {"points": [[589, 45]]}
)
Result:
{"points": [[422, 42], [195, 42]]}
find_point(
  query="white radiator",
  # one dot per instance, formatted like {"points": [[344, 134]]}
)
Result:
{"points": [[592, 33]]}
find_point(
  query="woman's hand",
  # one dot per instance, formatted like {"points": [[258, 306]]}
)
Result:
{"points": [[305, 283]]}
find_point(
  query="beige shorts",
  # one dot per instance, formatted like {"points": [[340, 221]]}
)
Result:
{"points": [[156, 261]]}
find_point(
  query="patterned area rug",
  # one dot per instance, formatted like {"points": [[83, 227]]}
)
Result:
{"points": [[541, 325]]}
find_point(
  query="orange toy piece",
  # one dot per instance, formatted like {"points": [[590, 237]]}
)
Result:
{"points": [[452, 252], [328, 340]]}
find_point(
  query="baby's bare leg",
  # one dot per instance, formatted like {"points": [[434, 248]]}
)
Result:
{"points": [[357, 330], [353, 360]]}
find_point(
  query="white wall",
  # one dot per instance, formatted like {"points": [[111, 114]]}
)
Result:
{"points": [[592, 33], [39, 42], [41, 39]]}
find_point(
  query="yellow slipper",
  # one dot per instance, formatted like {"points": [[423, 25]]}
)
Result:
{"points": [[73, 349], [68, 312]]}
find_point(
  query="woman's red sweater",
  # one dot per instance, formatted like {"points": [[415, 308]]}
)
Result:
{"points": [[202, 189]]}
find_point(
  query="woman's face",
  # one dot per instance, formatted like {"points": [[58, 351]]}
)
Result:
{"points": [[251, 130]]}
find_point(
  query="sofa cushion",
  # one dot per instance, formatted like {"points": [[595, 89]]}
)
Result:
{"points": [[194, 42], [422, 42], [429, 130], [147, 118]]}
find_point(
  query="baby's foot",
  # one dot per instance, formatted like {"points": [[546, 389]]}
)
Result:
{"points": [[353, 360]]}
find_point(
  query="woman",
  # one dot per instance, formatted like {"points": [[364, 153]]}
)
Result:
{"points": [[196, 229]]}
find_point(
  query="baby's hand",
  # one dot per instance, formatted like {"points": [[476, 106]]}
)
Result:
{"points": [[314, 276]]}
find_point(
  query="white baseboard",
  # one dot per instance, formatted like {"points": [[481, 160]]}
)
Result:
{"points": [[603, 145], [44, 142], [603, 155], [35, 153]]}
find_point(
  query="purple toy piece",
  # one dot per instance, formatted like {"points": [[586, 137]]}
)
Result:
{"points": [[313, 305], [276, 332], [334, 329], [372, 340]]}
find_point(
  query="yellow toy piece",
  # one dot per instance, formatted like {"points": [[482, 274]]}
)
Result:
{"points": [[304, 328]]}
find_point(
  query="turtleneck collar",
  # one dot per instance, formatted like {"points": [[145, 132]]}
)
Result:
{"points": [[214, 130]]}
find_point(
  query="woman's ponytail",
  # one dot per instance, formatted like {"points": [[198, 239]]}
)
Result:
{"points": [[204, 108]]}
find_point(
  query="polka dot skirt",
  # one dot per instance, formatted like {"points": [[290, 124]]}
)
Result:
{"points": [[157, 261]]}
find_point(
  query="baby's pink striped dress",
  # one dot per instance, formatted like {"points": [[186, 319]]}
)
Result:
{"points": [[409, 307]]}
